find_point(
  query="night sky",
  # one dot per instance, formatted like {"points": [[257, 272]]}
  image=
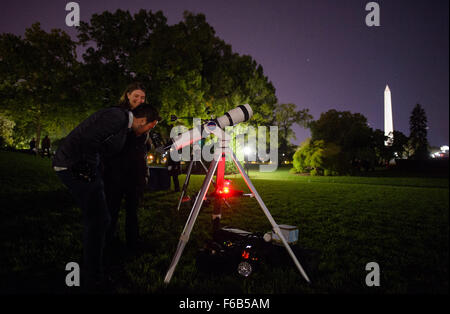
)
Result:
{"points": [[318, 54]]}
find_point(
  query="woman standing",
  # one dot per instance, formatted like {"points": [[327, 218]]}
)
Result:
{"points": [[125, 174]]}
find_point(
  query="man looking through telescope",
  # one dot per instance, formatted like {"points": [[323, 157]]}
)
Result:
{"points": [[77, 163]]}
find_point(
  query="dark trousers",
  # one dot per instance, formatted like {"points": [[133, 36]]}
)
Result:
{"points": [[132, 196], [176, 183], [96, 219], [46, 152]]}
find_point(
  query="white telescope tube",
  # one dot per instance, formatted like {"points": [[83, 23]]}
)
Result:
{"points": [[235, 116], [187, 138]]}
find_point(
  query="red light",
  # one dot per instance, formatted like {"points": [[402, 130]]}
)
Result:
{"points": [[224, 190], [245, 254]]}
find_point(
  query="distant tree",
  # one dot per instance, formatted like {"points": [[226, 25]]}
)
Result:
{"points": [[114, 43], [6, 131], [399, 147], [198, 71], [347, 130], [319, 158], [409, 150], [382, 152], [300, 158], [39, 91], [186, 67], [418, 133], [286, 115]]}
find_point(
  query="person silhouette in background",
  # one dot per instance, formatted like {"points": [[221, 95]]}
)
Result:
{"points": [[33, 149], [45, 144]]}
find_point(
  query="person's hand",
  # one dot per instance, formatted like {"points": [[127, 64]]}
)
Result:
{"points": [[84, 171]]}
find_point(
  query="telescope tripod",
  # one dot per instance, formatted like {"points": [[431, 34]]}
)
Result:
{"points": [[219, 156], [186, 183]]}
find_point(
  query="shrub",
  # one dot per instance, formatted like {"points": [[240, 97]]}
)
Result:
{"points": [[319, 158], [230, 168], [6, 131], [300, 163]]}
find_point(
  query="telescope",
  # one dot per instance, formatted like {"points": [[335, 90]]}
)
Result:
{"points": [[233, 117], [216, 126]]}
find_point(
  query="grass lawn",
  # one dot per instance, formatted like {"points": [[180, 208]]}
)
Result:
{"points": [[401, 223]]}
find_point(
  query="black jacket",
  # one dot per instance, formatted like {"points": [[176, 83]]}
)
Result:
{"points": [[101, 135], [128, 169]]}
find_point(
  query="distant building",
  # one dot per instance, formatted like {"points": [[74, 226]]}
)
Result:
{"points": [[388, 120]]}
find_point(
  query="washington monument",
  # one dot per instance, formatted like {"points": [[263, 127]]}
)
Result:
{"points": [[388, 122]]}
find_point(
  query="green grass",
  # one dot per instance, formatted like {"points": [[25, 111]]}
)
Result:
{"points": [[399, 222]]}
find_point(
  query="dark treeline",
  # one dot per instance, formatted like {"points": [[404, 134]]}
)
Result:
{"points": [[46, 89], [186, 68], [343, 143]]}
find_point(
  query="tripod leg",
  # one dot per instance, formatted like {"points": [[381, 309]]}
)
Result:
{"points": [[204, 167], [216, 216], [184, 238], [186, 183], [269, 216], [226, 203], [206, 170]]}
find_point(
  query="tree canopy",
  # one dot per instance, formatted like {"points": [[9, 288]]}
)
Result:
{"points": [[348, 130], [319, 158], [343, 143], [38, 88], [418, 133], [286, 115], [186, 68]]}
